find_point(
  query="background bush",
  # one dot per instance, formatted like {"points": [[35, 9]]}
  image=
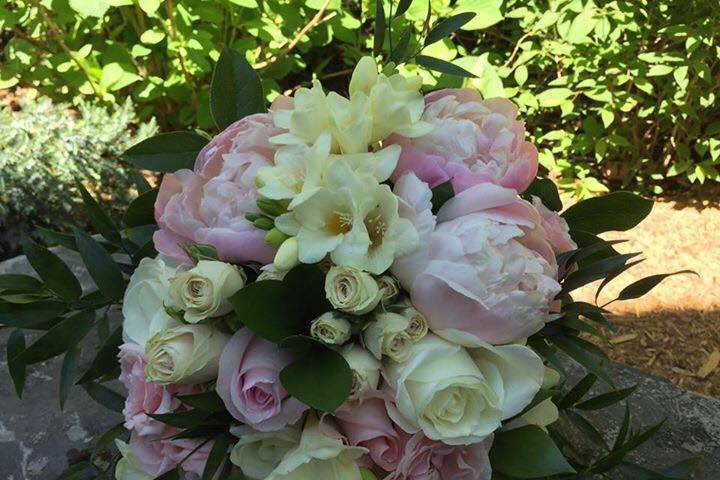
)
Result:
{"points": [[619, 93], [44, 147]]}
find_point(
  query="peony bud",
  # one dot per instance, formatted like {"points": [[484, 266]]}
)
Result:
{"points": [[187, 354], [388, 336], [352, 290], [365, 369], [389, 288], [417, 325], [331, 328], [287, 255], [203, 291]]}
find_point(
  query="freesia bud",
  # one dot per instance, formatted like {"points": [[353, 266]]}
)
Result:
{"points": [[287, 255]]}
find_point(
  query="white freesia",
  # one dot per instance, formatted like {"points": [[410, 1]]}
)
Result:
{"points": [[184, 354], [459, 398], [365, 369], [388, 335], [129, 467], [354, 219], [319, 457], [259, 453], [203, 291], [331, 328], [351, 290], [144, 303]]}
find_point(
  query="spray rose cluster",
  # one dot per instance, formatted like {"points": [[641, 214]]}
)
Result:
{"points": [[426, 305]]}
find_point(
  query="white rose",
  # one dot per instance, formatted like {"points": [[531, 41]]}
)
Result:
{"points": [[458, 398], [144, 303], [129, 467], [185, 354], [365, 369], [389, 288], [331, 328], [203, 291], [417, 325], [319, 457], [387, 335], [351, 290], [259, 453]]}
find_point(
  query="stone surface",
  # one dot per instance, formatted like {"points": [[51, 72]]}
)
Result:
{"points": [[36, 438]]}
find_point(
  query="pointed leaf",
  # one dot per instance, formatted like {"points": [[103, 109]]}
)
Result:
{"points": [[57, 276], [641, 287], [109, 399], [15, 346], [101, 266], [606, 399], [546, 190], [448, 26], [20, 283], [59, 338], [68, 373], [617, 211], [437, 65], [99, 219], [578, 391], [216, 457], [106, 359], [167, 152], [235, 90], [402, 7], [380, 27], [33, 316], [142, 210]]}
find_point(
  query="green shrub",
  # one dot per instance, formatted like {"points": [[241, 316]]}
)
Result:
{"points": [[614, 92], [44, 147]]}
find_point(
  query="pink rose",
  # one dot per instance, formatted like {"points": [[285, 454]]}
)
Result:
{"points": [[474, 141], [556, 228], [425, 459], [161, 453], [366, 424], [487, 273], [144, 397], [249, 383], [208, 205]]}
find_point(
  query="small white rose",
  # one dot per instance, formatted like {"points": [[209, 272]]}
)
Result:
{"points": [[318, 457], [259, 453], [418, 326], [365, 369], [351, 290], [331, 328], [203, 291], [387, 335], [187, 354], [144, 303], [389, 288]]}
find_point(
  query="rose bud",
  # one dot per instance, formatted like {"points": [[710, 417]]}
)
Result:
{"points": [[418, 327], [352, 290], [389, 288], [365, 370], [387, 335], [331, 328]]}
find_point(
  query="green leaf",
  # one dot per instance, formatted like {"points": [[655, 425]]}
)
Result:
{"points": [[321, 379], [101, 266], [437, 65], [606, 399], [206, 401], [306, 284], [59, 338], [104, 225], [167, 152], [217, 456], [618, 211], [37, 315], [441, 194], [235, 91], [578, 391], [106, 397], [380, 27], [448, 26], [142, 210], [527, 452], [547, 192], [402, 7], [106, 359], [21, 283], [15, 346], [57, 276], [68, 373], [641, 287]]}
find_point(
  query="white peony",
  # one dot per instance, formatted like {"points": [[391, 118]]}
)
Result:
{"points": [[461, 397], [144, 303]]}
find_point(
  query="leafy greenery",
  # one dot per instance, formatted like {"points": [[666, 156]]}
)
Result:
{"points": [[613, 93], [38, 166]]}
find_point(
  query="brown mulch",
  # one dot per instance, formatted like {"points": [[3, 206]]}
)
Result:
{"points": [[674, 331]]}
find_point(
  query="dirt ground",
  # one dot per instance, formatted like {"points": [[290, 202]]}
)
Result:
{"points": [[674, 331]]}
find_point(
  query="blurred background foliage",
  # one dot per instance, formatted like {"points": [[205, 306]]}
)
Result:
{"points": [[614, 93]]}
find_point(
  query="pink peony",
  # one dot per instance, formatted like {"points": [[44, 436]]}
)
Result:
{"points": [[366, 424], [425, 459], [474, 141], [144, 397], [487, 273], [209, 204], [249, 383], [556, 228]]}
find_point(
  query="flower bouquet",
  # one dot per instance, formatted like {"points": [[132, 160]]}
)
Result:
{"points": [[366, 286]]}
